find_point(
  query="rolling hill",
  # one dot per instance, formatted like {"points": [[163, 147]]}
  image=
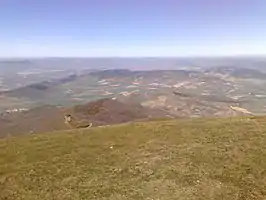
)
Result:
{"points": [[51, 118], [179, 159], [219, 87]]}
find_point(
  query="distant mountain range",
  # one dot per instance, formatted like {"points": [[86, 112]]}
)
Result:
{"points": [[138, 63]]}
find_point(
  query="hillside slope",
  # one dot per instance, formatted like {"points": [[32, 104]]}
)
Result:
{"points": [[182, 159], [51, 118]]}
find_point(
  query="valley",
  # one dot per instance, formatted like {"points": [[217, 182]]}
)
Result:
{"points": [[183, 93]]}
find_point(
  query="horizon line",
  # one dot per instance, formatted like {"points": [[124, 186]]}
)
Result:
{"points": [[103, 57]]}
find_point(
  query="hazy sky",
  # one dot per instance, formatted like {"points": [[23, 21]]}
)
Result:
{"points": [[132, 27]]}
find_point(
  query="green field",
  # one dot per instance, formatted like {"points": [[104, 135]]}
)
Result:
{"points": [[163, 160]]}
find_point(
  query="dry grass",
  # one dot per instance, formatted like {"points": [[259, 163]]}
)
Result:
{"points": [[183, 159]]}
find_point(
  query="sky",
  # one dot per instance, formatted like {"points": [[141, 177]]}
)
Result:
{"points": [[130, 28]]}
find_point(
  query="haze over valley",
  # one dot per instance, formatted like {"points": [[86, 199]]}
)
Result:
{"points": [[173, 87]]}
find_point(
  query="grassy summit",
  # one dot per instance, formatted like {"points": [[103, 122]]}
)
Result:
{"points": [[182, 159]]}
